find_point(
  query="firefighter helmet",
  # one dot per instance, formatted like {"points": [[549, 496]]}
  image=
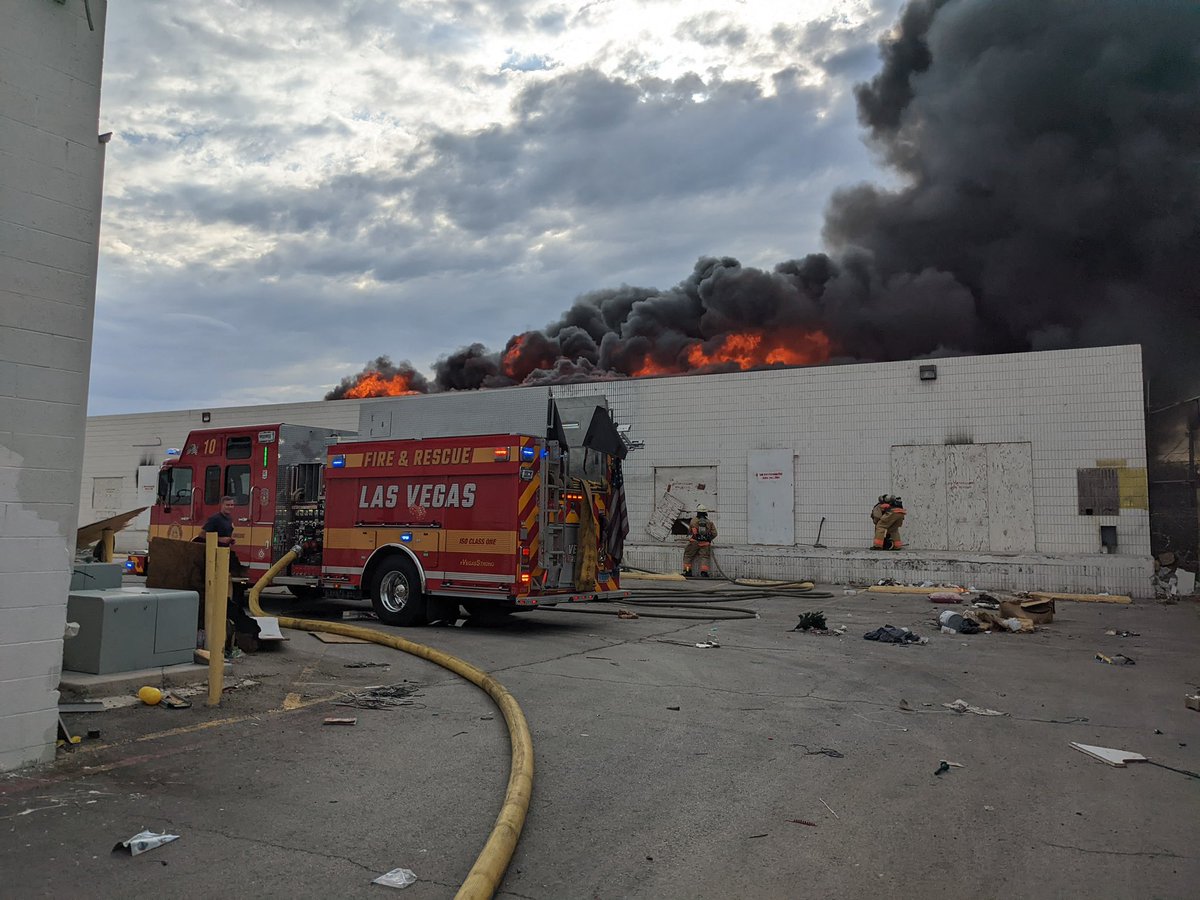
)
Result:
{"points": [[701, 509]]}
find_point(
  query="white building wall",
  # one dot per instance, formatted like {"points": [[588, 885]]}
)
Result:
{"points": [[118, 446], [1066, 410], [51, 172], [1075, 408]]}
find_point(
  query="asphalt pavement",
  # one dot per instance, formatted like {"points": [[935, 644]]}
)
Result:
{"points": [[778, 764]]}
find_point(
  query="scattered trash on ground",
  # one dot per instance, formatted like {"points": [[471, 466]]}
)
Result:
{"points": [[830, 808], [387, 696], [989, 809], [173, 701], [906, 706], [336, 720], [627, 614], [953, 622], [811, 619], [813, 622], [143, 841], [945, 597], [802, 822], [942, 768], [1117, 659], [890, 634], [397, 878], [1112, 632], [892, 588], [1039, 612], [1192, 701], [673, 708], [962, 706], [707, 645], [367, 665]]}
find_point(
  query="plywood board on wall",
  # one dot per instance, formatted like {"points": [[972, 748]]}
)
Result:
{"points": [[1010, 498], [967, 497], [919, 477], [770, 497]]}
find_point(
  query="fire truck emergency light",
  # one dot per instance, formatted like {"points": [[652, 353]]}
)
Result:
{"points": [[528, 452], [406, 537], [500, 454], [338, 462]]}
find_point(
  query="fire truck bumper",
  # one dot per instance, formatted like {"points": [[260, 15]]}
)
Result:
{"points": [[581, 597]]}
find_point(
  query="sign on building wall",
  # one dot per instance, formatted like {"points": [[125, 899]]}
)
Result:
{"points": [[108, 493], [770, 497]]}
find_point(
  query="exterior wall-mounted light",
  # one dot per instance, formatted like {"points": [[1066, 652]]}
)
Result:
{"points": [[929, 373]]}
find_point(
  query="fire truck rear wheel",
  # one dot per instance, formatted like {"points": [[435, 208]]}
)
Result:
{"points": [[396, 594]]}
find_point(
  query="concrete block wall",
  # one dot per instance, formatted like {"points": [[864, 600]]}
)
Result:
{"points": [[51, 174], [115, 445], [1074, 408]]}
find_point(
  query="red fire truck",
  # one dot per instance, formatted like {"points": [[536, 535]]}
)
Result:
{"points": [[419, 526]]}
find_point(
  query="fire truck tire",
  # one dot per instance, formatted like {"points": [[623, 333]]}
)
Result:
{"points": [[396, 594]]}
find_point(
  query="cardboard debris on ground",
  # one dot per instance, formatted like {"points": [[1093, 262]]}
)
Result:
{"points": [[1039, 612], [326, 638], [1081, 598], [1192, 701], [341, 720], [1117, 659]]}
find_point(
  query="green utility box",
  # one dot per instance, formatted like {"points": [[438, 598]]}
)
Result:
{"points": [[130, 628]]}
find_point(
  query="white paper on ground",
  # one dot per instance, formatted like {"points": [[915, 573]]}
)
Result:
{"points": [[1113, 757], [268, 628]]}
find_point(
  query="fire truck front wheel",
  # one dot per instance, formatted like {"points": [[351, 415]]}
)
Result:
{"points": [[396, 594]]}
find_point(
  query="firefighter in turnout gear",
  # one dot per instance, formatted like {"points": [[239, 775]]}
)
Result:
{"points": [[888, 516], [701, 533]]}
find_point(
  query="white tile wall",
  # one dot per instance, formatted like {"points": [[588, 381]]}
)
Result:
{"points": [[51, 171], [1072, 406]]}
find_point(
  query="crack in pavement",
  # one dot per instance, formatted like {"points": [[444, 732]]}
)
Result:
{"points": [[257, 840], [1150, 853]]}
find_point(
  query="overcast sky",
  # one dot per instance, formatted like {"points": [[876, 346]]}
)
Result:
{"points": [[294, 188]]}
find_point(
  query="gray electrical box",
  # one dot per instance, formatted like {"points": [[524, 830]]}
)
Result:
{"points": [[96, 576], [130, 628]]}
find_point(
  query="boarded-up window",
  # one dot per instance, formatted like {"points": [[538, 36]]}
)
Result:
{"points": [[1099, 492]]}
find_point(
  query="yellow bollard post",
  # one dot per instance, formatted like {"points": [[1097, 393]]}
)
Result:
{"points": [[216, 593], [108, 541]]}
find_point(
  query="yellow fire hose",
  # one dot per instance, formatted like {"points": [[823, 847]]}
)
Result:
{"points": [[484, 877]]}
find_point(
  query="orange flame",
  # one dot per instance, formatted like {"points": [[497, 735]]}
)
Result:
{"points": [[372, 384], [508, 362], [747, 350]]}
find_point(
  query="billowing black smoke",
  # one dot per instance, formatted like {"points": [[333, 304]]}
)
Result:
{"points": [[1048, 161]]}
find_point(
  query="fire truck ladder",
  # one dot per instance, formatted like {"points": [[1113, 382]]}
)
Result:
{"points": [[559, 537]]}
